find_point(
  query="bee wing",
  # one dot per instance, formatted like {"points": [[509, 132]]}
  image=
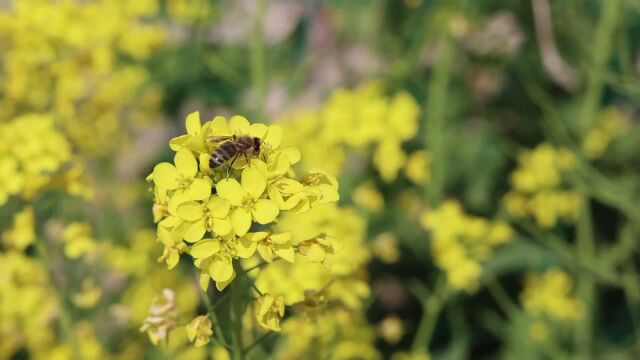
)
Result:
{"points": [[219, 139]]}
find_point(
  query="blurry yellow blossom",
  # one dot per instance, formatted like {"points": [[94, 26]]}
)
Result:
{"points": [[162, 317], [417, 355], [269, 311], [199, 330], [610, 124], [538, 186], [220, 353], [350, 120], [417, 167], [385, 248], [88, 296], [77, 240], [461, 243], [391, 329], [22, 233], [551, 294], [368, 197]]}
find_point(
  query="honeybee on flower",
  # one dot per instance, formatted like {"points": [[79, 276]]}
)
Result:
{"points": [[227, 177]]}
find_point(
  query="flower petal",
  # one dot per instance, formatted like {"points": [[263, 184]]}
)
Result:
{"points": [[274, 136], [239, 125], [195, 232], [186, 163], [257, 130], [219, 126], [199, 189], [253, 181], [166, 176], [285, 251], [281, 239], [221, 268], [265, 252], [265, 211], [231, 190], [193, 123], [245, 248], [241, 220], [220, 285], [221, 226], [190, 211], [205, 248], [218, 207]]}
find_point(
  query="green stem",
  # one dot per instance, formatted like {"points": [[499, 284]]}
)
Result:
{"points": [[602, 46], [66, 322], [502, 298], [435, 120], [257, 69], [217, 329], [236, 319], [585, 248], [431, 307]]}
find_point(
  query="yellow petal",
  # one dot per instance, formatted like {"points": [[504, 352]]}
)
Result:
{"points": [[231, 190], [193, 123], [218, 207], [178, 142], [239, 125], [265, 211], [253, 181], [314, 253], [173, 259], [265, 252], [245, 248], [241, 220], [292, 153], [199, 189], [195, 232], [274, 136], [219, 126], [285, 251], [186, 163], [220, 285], [203, 280], [190, 211], [222, 226], [221, 269], [166, 176], [281, 239], [205, 248], [257, 130]]}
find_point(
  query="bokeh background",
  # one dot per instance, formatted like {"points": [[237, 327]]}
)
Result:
{"points": [[487, 154]]}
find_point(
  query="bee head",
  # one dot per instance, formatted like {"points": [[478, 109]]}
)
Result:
{"points": [[257, 143]]}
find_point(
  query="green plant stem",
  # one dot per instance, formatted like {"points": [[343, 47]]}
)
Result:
{"points": [[585, 249], [431, 307], [66, 323], [602, 47], [236, 319], [217, 329], [257, 69], [435, 118], [502, 298]]}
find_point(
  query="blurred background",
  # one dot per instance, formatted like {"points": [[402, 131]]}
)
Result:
{"points": [[487, 154]]}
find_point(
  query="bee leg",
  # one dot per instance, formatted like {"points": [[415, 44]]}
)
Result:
{"points": [[231, 164], [246, 158]]}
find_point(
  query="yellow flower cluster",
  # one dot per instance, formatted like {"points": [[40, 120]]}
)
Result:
{"points": [[62, 58], [353, 120], [22, 233], [551, 294], [610, 124], [538, 186], [208, 212], [461, 242], [33, 155], [162, 317], [328, 294]]}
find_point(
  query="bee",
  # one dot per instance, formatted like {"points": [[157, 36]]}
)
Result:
{"points": [[230, 147]]}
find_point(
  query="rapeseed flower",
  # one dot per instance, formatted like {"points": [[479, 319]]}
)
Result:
{"points": [[162, 317], [269, 311], [199, 330]]}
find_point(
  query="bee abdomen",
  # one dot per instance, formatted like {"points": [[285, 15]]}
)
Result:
{"points": [[222, 153]]}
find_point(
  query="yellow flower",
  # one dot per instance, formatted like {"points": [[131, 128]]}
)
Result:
{"points": [[417, 167], [385, 248], [246, 199], [391, 329], [316, 249], [77, 240], [182, 177], [89, 296], [551, 294], [267, 244], [269, 310], [199, 330], [22, 233], [389, 159], [162, 317], [368, 197]]}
